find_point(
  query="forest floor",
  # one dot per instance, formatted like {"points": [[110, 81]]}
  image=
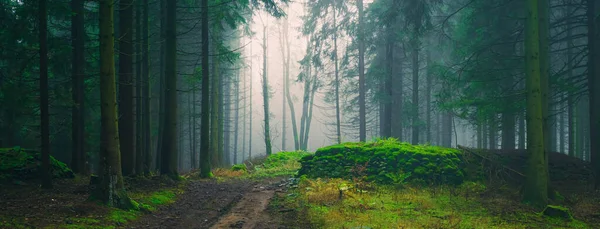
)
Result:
{"points": [[269, 198]]}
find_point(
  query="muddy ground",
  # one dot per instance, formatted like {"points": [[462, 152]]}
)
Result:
{"points": [[211, 204]]}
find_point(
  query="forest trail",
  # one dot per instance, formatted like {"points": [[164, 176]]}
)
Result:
{"points": [[236, 203]]}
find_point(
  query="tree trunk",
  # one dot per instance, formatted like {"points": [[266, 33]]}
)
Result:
{"points": [[109, 188], [236, 117], [146, 90], [78, 156], [225, 118], [536, 187], [46, 173], [126, 92], [250, 108], [284, 41], [508, 130], [265, 92], [205, 170], [594, 85], [214, 122], [415, 87], [169, 149], [139, 150], [162, 102], [522, 130], [428, 89], [362, 91], [492, 132], [337, 79]]}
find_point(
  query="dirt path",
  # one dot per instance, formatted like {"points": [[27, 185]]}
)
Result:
{"points": [[212, 204], [248, 211]]}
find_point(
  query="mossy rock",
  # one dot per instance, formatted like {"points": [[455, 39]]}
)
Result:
{"points": [[558, 212], [23, 164], [385, 160]]}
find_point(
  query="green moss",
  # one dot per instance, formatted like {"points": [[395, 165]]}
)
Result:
{"points": [[239, 167], [23, 164], [118, 216], [425, 164], [279, 164]]}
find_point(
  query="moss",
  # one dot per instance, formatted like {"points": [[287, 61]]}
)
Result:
{"points": [[425, 164], [23, 164], [279, 164], [557, 212], [239, 167]]}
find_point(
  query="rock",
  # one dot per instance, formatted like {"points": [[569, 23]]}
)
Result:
{"points": [[558, 212]]}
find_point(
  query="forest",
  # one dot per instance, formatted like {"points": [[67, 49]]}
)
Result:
{"points": [[299, 114]]}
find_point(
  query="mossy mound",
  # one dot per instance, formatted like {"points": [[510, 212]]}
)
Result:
{"points": [[239, 167], [558, 212], [387, 162], [23, 164]]}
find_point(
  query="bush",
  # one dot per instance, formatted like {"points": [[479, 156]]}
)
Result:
{"points": [[385, 160], [22, 164]]}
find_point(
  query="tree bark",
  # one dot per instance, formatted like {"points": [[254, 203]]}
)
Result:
{"points": [[146, 90], [536, 187], [46, 173], [78, 155], [265, 88], [110, 188], [337, 79], [170, 149], [126, 89], [205, 166], [361, 75], [139, 137], [594, 85]]}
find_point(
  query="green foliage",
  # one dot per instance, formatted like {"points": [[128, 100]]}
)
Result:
{"points": [[387, 161], [23, 164], [428, 207], [279, 164], [239, 167]]}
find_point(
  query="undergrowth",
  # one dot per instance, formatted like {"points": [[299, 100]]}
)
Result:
{"points": [[147, 202], [338, 203], [276, 165]]}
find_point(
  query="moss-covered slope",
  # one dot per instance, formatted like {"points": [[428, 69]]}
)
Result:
{"points": [[386, 161], [23, 164]]}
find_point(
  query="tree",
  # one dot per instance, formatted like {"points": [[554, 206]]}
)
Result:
{"points": [[594, 85], [361, 75], [78, 154], [109, 187], [126, 92], [205, 170], [46, 174], [265, 92], [536, 186], [169, 145]]}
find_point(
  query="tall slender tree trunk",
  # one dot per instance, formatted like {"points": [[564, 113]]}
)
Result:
{"points": [[337, 79], [109, 186], [290, 102], [244, 97], [126, 89], [522, 130], [265, 92], [250, 118], [46, 173], [163, 91], [146, 90], [415, 88], [205, 170], [428, 89], [361, 76], [236, 117], [139, 137], [492, 132], [169, 149], [536, 187], [78, 154], [214, 122], [225, 119], [594, 85]]}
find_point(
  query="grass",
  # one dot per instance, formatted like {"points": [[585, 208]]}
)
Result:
{"points": [[276, 165], [148, 202], [337, 203]]}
